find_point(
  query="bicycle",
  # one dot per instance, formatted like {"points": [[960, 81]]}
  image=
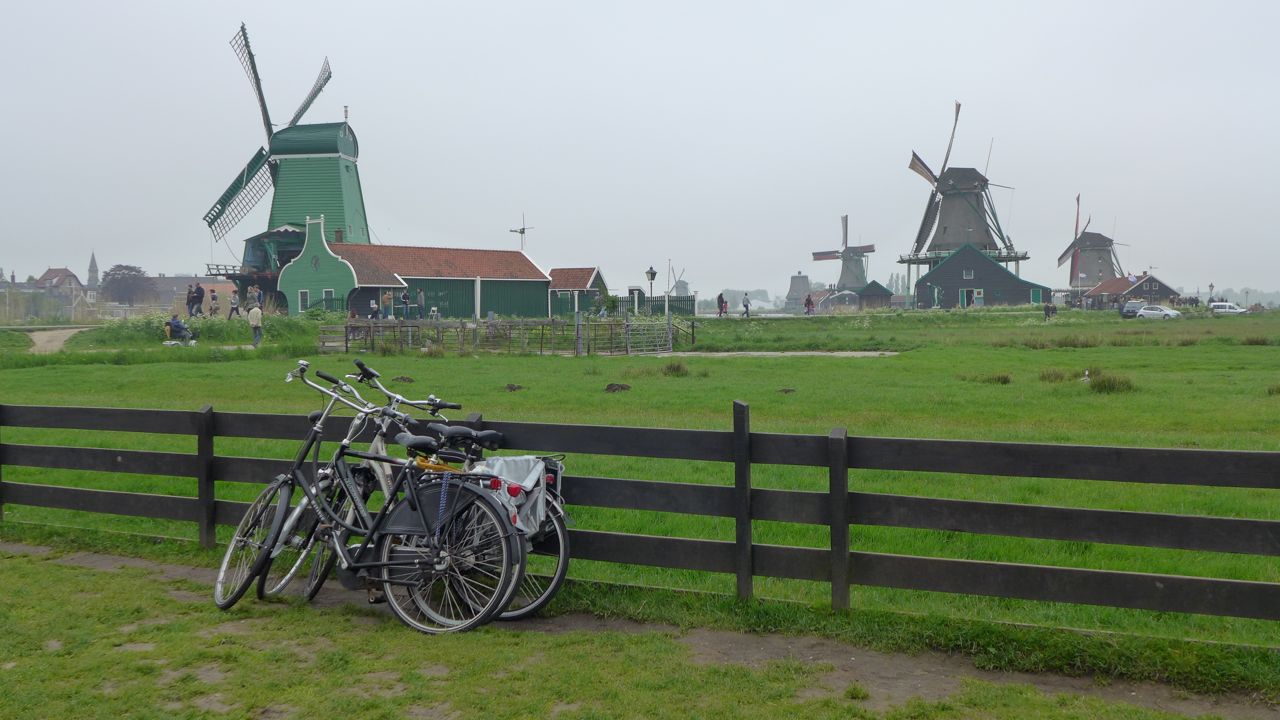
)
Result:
{"points": [[440, 549]]}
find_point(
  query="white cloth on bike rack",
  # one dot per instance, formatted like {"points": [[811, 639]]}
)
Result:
{"points": [[529, 472]]}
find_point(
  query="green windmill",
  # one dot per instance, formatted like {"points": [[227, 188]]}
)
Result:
{"points": [[313, 171]]}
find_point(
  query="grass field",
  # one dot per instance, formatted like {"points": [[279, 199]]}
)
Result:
{"points": [[11, 341], [94, 643], [1199, 382]]}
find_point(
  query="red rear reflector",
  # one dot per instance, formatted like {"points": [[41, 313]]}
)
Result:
{"points": [[494, 483], [514, 490], [551, 479]]}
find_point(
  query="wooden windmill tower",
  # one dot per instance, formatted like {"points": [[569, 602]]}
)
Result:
{"points": [[313, 171], [959, 212], [1092, 255], [853, 267]]}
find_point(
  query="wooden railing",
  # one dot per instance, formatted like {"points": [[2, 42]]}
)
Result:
{"points": [[837, 508]]}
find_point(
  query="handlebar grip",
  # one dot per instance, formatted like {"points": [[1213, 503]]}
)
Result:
{"points": [[448, 406], [327, 377], [365, 370]]}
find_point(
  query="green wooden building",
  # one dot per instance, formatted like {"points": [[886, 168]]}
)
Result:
{"points": [[582, 289], [454, 282]]}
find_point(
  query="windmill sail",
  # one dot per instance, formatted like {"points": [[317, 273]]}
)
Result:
{"points": [[241, 195], [919, 167], [321, 80], [926, 224], [240, 43]]}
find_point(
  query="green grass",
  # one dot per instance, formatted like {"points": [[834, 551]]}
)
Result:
{"points": [[1214, 393], [11, 341], [147, 332], [133, 643]]}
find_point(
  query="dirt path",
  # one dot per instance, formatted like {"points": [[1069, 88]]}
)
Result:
{"points": [[890, 679], [47, 341]]}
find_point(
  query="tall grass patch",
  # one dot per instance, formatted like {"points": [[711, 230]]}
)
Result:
{"points": [[1107, 384]]}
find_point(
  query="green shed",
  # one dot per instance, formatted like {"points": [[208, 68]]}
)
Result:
{"points": [[586, 286]]}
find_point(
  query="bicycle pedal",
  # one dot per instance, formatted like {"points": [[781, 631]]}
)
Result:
{"points": [[376, 597]]}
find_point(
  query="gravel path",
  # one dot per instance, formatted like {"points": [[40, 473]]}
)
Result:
{"points": [[47, 341]]}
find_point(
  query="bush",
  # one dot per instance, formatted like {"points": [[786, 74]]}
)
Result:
{"points": [[1110, 384], [1053, 375], [675, 369], [1255, 340]]}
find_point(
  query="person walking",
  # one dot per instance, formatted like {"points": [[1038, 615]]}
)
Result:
{"points": [[199, 299], [720, 305], [746, 306], [808, 304], [235, 304], [404, 301], [386, 305], [422, 304], [191, 301], [213, 302], [255, 322]]}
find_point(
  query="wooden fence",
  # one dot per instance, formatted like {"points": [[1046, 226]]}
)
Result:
{"points": [[582, 335], [838, 508]]}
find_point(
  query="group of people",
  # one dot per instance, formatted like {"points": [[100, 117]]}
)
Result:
{"points": [[722, 306], [177, 330], [387, 311]]}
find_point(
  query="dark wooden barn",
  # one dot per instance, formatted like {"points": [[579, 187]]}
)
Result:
{"points": [[971, 278]]}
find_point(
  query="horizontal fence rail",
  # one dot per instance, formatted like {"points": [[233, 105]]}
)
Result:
{"points": [[837, 509]]}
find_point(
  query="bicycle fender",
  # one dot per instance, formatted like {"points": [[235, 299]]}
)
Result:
{"points": [[406, 519]]}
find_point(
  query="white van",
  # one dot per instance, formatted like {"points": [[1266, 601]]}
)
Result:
{"points": [[1226, 308]]}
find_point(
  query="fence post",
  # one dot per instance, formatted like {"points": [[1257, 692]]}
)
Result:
{"points": [[577, 333], [626, 330], [742, 498], [204, 477], [475, 421], [1, 457], [838, 507]]}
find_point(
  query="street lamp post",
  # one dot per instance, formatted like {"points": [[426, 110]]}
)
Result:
{"points": [[1210, 292], [651, 274]]}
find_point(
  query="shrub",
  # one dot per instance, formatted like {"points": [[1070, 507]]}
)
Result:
{"points": [[675, 369], [1255, 340], [1110, 384], [1053, 375]]}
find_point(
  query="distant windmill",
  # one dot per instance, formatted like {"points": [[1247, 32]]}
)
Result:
{"points": [[521, 231], [1092, 255], [853, 269], [959, 207]]}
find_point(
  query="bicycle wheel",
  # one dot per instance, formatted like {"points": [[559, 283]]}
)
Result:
{"points": [[247, 552], [279, 571], [453, 576], [321, 556], [545, 567]]}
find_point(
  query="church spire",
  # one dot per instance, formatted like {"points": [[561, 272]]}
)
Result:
{"points": [[93, 271]]}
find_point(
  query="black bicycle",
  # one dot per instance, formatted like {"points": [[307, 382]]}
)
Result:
{"points": [[441, 550]]}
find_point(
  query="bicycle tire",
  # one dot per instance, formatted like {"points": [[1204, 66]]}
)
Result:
{"points": [[454, 577], [247, 552], [545, 568], [323, 558], [280, 570]]}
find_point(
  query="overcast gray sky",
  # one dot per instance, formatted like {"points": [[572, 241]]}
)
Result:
{"points": [[728, 137]]}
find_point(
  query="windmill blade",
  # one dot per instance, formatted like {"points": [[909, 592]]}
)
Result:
{"points": [[863, 249], [946, 158], [240, 43], [927, 223], [1069, 252], [241, 195], [1077, 235], [1116, 258], [321, 80], [827, 255], [918, 166], [844, 231]]}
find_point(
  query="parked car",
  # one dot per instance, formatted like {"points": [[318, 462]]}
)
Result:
{"points": [[1226, 308], [1131, 308], [1158, 312]]}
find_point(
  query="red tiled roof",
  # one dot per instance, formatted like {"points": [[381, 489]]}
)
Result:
{"points": [[1116, 286], [53, 277], [572, 278], [378, 265]]}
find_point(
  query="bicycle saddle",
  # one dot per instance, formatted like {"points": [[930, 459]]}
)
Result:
{"points": [[418, 443], [456, 434]]}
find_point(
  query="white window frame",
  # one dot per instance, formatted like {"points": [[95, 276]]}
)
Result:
{"points": [[967, 274], [302, 304]]}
